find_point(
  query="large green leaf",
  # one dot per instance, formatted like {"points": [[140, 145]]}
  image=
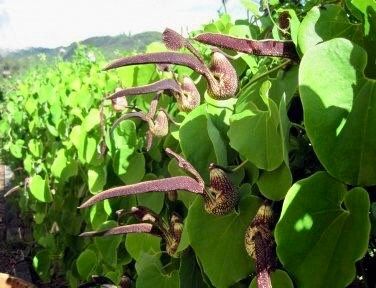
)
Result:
{"points": [[96, 178], [41, 264], [365, 11], [151, 275], [275, 184], [140, 243], [63, 166], [324, 23], [339, 110], [122, 144], [204, 147], [86, 263], [254, 129], [189, 272], [107, 245], [218, 241], [40, 189], [329, 228]]}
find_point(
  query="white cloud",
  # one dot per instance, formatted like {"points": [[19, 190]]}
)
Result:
{"points": [[49, 23]]}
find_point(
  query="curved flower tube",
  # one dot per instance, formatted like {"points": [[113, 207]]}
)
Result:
{"points": [[285, 49]]}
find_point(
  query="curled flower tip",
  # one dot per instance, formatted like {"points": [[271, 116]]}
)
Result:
{"points": [[132, 228], [189, 97], [172, 39], [185, 165], [159, 127], [221, 196], [273, 48], [161, 58], [165, 84], [159, 185]]}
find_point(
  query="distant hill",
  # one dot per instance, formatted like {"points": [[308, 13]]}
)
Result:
{"points": [[20, 60]]}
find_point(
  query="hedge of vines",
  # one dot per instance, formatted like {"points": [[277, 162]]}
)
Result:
{"points": [[210, 161]]}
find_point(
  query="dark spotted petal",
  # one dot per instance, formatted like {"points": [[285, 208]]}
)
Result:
{"points": [[132, 228], [166, 84], [160, 185], [259, 244], [224, 192], [274, 48]]}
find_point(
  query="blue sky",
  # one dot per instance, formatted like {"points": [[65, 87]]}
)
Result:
{"points": [[52, 23]]}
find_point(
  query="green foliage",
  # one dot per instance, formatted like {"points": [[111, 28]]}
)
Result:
{"points": [[320, 217], [56, 126]]}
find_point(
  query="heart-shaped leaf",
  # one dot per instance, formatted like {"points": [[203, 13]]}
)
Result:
{"points": [[329, 227], [254, 128], [318, 26], [150, 274], [218, 241], [338, 102], [138, 244], [86, 263], [40, 189], [205, 147]]}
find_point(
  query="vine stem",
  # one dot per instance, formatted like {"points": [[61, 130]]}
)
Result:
{"points": [[240, 166], [297, 126], [253, 80]]}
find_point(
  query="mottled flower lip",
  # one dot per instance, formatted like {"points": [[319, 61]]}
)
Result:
{"points": [[159, 185], [273, 48], [165, 84]]}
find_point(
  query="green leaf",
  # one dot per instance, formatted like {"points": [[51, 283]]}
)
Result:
{"points": [[135, 170], [96, 178], [279, 278], [99, 213], [41, 264], [91, 120], [275, 184], [122, 145], [86, 263], [338, 102], [318, 26], [140, 243], [254, 129], [40, 189], [107, 245], [251, 6], [329, 228], [151, 275], [189, 272], [16, 148], [62, 167], [364, 10], [205, 147], [218, 241]]}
